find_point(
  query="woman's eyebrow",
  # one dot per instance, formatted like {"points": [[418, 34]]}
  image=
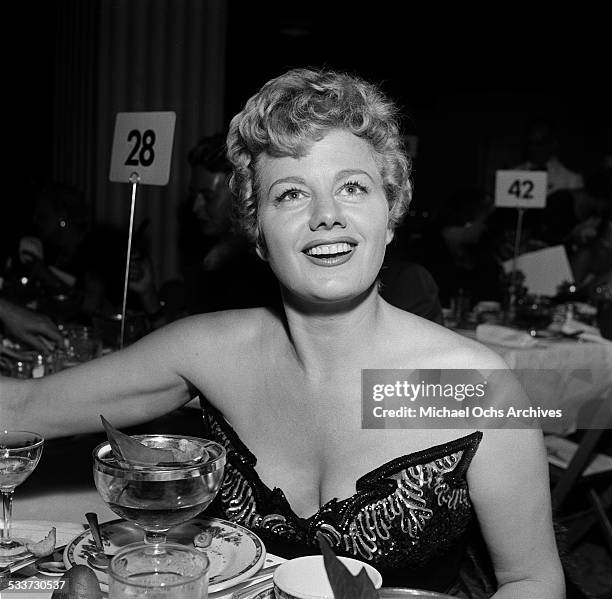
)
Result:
{"points": [[299, 180], [353, 171]]}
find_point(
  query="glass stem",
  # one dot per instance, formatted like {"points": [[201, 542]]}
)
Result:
{"points": [[7, 511], [152, 537]]}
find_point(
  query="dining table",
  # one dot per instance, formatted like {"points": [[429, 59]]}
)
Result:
{"points": [[557, 372]]}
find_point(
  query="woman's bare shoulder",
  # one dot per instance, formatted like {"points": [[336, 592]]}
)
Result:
{"points": [[440, 346], [218, 329]]}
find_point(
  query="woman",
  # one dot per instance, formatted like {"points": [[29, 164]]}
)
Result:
{"points": [[321, 181]]}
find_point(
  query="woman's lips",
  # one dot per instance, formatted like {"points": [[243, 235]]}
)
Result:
{"points": [[330, 254]]}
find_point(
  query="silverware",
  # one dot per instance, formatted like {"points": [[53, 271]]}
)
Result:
{"points": [[246, 592], [99, 560]]}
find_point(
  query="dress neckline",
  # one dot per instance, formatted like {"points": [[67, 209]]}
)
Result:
{"points": [[374, 476]]}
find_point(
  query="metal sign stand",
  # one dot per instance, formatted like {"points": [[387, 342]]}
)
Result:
{"points": [[513, 275], [134, 180], [141, 154]]}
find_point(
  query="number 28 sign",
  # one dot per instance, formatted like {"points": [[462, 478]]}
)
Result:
{"points": [[520, 189], [142, 144]]}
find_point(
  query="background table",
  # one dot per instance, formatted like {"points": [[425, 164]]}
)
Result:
{"points": [[570, 374]]}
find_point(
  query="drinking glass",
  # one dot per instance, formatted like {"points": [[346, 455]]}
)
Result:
{"points": [[19, 453], [158, 571], [156, 498], [83, 344]]}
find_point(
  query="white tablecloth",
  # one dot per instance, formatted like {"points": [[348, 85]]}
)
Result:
{"points": [[567, 375]]}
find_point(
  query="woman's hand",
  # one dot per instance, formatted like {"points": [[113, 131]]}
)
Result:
{"points": [[37, 330]]}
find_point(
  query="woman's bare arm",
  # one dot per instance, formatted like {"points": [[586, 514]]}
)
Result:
{"points": [[509, 487], [134, 385]]}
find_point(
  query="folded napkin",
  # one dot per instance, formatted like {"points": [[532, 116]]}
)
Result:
{"points": [[493, 333], [572, 327], [594, 338]]}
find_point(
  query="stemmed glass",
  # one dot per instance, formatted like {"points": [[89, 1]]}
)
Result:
{"points": [[20, 452], [156, 498]]}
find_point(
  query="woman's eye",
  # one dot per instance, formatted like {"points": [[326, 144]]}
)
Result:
{"points": [[289, 195], [352, 188]]}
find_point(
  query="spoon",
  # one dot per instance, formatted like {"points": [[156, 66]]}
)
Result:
{"points": [[101, 559]]}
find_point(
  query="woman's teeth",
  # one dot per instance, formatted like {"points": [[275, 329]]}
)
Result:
{"points": [[329, 250]]}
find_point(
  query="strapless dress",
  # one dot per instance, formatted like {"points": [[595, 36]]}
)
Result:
{"points": [[411, 518]]}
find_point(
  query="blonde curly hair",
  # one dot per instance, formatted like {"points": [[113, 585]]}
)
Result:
{"points": [[301, 106]]}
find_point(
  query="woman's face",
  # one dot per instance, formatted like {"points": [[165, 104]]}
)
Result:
{"points": [[324, 218]]}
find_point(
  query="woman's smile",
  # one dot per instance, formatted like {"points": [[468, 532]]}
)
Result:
{"points": [[331, 252]]}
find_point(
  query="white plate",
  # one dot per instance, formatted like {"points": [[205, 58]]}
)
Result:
{"points": [[235, 553]]}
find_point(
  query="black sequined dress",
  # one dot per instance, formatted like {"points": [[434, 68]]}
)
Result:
{"points": [[411, 518]]}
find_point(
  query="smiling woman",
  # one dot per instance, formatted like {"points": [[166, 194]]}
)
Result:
{"points": [[320, 182]]}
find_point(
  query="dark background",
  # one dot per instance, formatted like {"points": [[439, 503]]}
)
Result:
{"points": [[468, 81]]}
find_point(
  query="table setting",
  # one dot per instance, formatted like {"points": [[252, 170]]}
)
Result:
{"points": [[160, 485], [162, 544], [237, 558]]}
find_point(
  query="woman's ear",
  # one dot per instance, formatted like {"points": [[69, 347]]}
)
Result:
{"points": [[260, 247], [390, 235]]}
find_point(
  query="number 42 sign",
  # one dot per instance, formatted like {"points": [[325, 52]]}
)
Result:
{"points": [[142, 144], [520, 189]]}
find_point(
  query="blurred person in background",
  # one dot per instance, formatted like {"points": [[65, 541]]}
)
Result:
{"points": [[220, 268], [408, 285], [458, 252], [64, 254], [591, 258], [593, 204], [36, 330]]}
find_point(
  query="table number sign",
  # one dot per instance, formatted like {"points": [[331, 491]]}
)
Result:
{"points": [[141, 154], [520, 189], [142, 146]]}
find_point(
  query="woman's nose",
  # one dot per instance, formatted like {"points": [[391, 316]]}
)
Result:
{"points": [[327, 213]]}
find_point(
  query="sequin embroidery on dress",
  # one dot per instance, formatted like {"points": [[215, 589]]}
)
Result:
{"points": [[403, 513]]}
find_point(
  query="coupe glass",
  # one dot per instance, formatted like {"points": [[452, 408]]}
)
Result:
{"points": [[156, 498], [19, 453], [158, 571]]}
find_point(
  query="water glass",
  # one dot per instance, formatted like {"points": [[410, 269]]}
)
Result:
{"points": [[160, 571], [83, 344]]}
